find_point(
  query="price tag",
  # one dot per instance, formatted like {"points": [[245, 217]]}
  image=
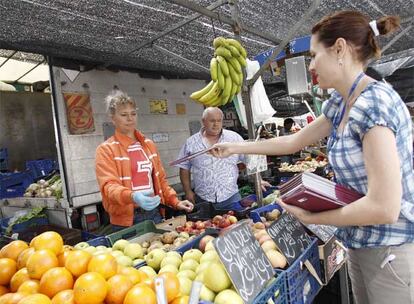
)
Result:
{"points": [[323, 232], [289, 236], [160, 291], [246, 263]]}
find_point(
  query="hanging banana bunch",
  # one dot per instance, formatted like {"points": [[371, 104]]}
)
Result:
{"points": [[226, 73]]}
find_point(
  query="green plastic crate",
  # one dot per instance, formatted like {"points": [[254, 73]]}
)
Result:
{"points": [[134, 231]]}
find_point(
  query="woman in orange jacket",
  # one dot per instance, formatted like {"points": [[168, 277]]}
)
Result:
{"points": [[129, 171]]}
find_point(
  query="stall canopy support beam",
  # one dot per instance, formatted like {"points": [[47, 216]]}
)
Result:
{"points": [[224, 19], [172, 29], [8, 58], [168, 52], [285, 41], [39, 63]]}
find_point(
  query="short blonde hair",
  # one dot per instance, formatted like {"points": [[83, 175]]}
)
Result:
{"points": [[116, 98]]}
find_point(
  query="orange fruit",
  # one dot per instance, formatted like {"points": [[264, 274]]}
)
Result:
{"points": [[77, 262], [36, 298], [13, 249], [29, 286], [62, 257], [49, 240], [135, 275], [8, 268], [104, 263], [141, 294], [40, 262], [55, 280], [23, 256], [149, 282], [90, 288], [18, 278], [118, 286], [181, 300], [3, 290], [64, 297], [171, 285], [12, 298]]}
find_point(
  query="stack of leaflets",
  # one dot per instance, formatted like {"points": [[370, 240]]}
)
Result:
{"points": [[314, 193]]}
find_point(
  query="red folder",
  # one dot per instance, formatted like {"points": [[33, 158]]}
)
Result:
{"points": [[314, 193]]}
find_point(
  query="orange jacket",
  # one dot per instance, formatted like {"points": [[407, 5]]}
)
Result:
{"points": [[114, 177]]}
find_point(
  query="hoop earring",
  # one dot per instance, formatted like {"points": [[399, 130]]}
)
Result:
{"points": [[340, 62]]}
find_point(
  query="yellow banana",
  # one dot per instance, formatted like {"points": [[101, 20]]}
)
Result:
{"points": [[198, 94], [223, 65], [234, 75], [215, 90], [236, 65], [233, 89], [242, 61], [219, 41], [213, 101], [233, 50], [223, 52], [237, 44], [227, 86], [213, 69], [220, 77]]}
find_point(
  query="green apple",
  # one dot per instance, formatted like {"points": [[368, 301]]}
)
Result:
{"points": [[216, 277], [210, 255], [184, 235], [137, 262], [124, 260], [228, 296], [81, 245], [192, 254], [189, 264], [154, 258], [185, 285], [116, 253], [187, 273], [149, 271], [169, 268], [134, 251], [90, 249], [200, 277], [206, 294], [171, 260], [101, 248], [174, 253], [203, 266], [120, 244], [209, 246]]}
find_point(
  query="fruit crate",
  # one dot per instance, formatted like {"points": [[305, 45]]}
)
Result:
{"points": [[41, 168], [256, 214], [14, 184], [131, 233], [4, 240], [274, 293], [70, 236], [17, 228], [99, 241], [172, 223], [302, 287], [196, 241]]}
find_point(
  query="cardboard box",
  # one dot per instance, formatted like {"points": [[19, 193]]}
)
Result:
{"points": [[172, 223]]}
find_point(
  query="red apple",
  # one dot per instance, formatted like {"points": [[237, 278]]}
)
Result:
{"points": [[231, 212], [199, 225], [180, 228], [189, 224], [207, 224], [216, 220], [224, 223]]}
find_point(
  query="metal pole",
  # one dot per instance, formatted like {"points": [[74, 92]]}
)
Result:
{"points": [[168, 52], [172, 28], [223, 18], [237, 28], [285, 41]]}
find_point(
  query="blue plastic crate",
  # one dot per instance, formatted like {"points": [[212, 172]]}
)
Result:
{"points": [[14, 184], [258, 212], [302, 287], [99, 241], [36, 221], [41, 168]]}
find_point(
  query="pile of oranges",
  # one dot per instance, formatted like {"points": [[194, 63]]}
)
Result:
{"points": [[48, 272]]}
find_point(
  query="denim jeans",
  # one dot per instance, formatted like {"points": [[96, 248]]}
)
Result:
{"points": [[141, 215], [227, 204]]}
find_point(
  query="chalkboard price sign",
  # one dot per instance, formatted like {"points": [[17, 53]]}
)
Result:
{"points": [[245, 261], [323, 232], [289, 236]]}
